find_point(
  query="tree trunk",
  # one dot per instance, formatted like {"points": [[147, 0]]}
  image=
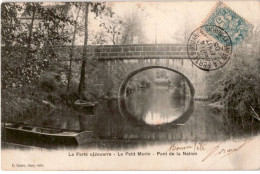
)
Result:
{"points": [[84, 55], [71, 51], [28, 55]]}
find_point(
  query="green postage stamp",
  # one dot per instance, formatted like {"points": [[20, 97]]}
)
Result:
{"points": [[236, 26]]}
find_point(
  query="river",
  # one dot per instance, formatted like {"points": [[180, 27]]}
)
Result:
{"points": [[157, 106], [154, 106]]}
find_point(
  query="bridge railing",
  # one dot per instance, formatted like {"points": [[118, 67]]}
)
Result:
{"points": [[142, 51]]}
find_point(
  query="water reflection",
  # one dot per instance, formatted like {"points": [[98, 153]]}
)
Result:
{"points": [[111, 130], [153, 101], [156, 105], [159, 98]]}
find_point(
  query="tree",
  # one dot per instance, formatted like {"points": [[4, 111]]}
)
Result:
{"points": [[237, 85], [11, 39], [72, 46], [113, 28], [44, 29], [183, 33], [132, 28], [31, 9], [83, 65], [98, 9], [98, 38], [10, 24], [124, 30]]}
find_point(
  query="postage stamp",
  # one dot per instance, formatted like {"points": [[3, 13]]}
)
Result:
{"points": [[235, 25], [209, 47]]}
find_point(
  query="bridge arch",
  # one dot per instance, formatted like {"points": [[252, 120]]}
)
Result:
{"points": [[123, 85], [123, 106]]}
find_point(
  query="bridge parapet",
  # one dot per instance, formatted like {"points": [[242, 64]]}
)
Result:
{"points": [[117, 52], [142, 51]]}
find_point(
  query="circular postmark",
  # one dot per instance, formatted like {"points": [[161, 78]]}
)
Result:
{"points": [[209, 47]]}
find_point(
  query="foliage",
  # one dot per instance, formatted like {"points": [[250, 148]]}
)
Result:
{"points": [[239, 83], [133, 28], [112, 28], [38, 35], [10, 24], [29, 33], [51, 25], [97, 8], [123, 30]]}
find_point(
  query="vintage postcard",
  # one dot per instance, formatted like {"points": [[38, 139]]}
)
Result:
{"points": [[160, 85]]}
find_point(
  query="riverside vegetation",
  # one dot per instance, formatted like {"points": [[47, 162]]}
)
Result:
{"points": [[33, 73]]}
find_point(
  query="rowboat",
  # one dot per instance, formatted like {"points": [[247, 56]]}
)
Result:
{"points": [[22, 133], [85, 107]]}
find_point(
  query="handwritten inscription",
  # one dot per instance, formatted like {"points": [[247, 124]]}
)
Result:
{"points": [[221, 151], [210, 152], [195, 147]]}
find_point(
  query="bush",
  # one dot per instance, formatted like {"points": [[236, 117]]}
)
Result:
{"points": [[49, 81], [238, 87], [16, 109]]}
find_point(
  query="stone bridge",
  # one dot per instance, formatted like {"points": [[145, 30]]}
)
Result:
{"points": [[116, 64]]}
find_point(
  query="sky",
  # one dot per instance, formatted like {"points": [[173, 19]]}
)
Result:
{"points": [[167, 21]]}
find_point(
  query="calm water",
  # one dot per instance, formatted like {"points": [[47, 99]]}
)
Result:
{"points": [[154, 106], [157, 105]]}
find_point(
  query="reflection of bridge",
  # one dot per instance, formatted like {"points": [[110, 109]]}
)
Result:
{"points": [[117, 62]]}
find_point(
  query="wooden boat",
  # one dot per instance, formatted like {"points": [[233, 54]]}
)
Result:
{"points": [[85, 107], [21, 133]]}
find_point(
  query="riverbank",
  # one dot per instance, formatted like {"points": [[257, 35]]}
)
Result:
{"points": [[114, 131]]}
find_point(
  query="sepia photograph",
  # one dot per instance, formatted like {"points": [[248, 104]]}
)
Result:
{"points": [[120, 85]]}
